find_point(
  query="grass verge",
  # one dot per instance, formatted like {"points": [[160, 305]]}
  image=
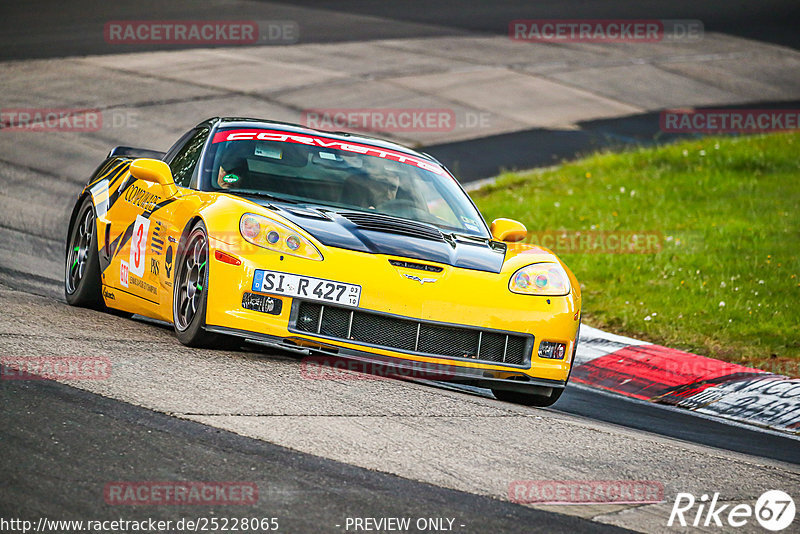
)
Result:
{"points": [[724, 278]]}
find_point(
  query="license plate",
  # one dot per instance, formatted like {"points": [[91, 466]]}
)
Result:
{"points": [[306, 287]]}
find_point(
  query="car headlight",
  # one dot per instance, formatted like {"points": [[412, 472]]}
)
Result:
{"points": [[272, 235], [540, 279]]}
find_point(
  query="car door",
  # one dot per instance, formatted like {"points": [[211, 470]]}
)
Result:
{"points": [[168, 221], [141, 225]]}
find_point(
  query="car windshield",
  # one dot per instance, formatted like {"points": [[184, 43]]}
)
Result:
{"points": [[317, 170]]}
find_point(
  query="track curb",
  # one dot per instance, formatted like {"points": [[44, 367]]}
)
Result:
{"points": [[662, 375]]}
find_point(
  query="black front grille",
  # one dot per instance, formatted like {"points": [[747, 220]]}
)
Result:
{"points": [[410, 335], [383, 223]]}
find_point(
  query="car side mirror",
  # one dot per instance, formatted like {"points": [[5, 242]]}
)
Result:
{"points": [[508, 230], [154, 171]]}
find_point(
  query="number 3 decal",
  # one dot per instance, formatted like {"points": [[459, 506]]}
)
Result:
{"points": [[139, 245]]}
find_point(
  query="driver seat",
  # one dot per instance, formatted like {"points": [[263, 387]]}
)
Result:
{"points": [[359, 190]]}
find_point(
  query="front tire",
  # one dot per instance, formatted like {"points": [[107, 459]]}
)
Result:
{"points": [[528, 399], [82, 285], [190, 291]]}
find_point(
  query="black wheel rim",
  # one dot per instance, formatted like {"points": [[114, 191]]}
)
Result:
{"points": [[191, 282], [78, 254]]}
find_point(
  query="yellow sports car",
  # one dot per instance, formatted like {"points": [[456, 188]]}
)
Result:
{"points": [[328, 243]]}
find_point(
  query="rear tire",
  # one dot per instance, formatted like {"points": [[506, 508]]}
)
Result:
{"points": [[190, 290], [82, 285], [528, 399]]}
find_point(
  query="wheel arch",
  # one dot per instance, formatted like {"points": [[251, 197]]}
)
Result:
{"points": [[74, 214], [194, 219], [187, 228]]}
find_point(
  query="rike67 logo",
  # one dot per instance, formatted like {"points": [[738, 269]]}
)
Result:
{"points": [[774, 510]]}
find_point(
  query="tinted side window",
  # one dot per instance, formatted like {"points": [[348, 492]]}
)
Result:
{"points": [[178, 145], [184, 162]]}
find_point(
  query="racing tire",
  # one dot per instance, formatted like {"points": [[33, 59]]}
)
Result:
{"points": [[541, 401], [82, 286], [190, 290], [528, 399]]}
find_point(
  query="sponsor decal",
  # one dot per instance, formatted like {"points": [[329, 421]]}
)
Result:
{"points": [[230, 178], [178, 493], [54, 368], [122, 239], [123, 273], [154, 266], [139, 245], [323, 142], [141, 284], [141, 198], [108, 295], [157, 241], [470, 224]]}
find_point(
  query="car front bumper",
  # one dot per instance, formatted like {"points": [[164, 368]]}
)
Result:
{"points": [[461, 300]]}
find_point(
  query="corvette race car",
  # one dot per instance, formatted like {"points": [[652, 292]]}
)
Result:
{"points": [[324, 243]]}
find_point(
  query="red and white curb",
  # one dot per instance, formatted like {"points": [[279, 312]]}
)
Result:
{"points": [[662, 375]]}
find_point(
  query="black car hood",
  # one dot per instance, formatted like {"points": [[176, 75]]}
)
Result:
{"points": [[335, 228]]}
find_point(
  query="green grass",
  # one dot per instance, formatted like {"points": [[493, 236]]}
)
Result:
{"points": [[729, 213]]}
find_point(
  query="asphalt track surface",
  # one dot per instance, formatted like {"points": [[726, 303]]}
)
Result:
{"points": [[670, 422], [359, 438], [61, 444], [50, 28], [113, 440]]}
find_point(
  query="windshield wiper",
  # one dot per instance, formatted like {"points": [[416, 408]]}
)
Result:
{"points": [[264, 194], [468, 237]]}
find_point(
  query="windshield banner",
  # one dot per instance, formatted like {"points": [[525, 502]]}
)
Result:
{"points": [[323, 142]]}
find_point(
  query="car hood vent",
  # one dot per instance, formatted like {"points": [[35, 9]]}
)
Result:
{"points": [[383, 223], [399, 238], [308, 214], [417, 266]]}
